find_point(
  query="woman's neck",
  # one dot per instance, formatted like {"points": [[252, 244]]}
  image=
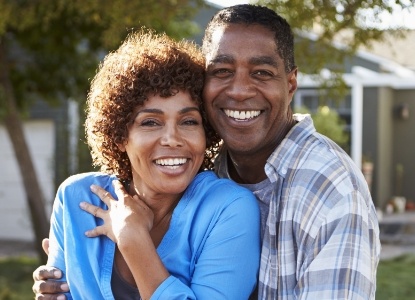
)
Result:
{"points": [[162, 205]]}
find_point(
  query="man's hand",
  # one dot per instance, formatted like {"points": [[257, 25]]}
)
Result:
{"points": [[45, 246], [44, 286]]}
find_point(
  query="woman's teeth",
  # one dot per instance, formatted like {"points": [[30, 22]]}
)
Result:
{"points": [[172, 163]]}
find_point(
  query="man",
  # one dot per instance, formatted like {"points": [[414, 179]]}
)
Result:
{"points": [[320, 235]]}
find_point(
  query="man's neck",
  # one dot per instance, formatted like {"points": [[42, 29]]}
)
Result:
{"points": [[246, 171], [250, 169]]}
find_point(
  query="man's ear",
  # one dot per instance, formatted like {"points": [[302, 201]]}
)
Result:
{"points": [[292, 81]]}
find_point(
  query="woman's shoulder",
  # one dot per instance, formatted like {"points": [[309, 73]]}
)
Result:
{"points": [[207, 183], [209, 178], [88, 177], [85, 180]]}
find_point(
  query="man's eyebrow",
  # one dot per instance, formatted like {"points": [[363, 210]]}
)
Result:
{"points": [[257, 60], [226, 59], [263, 60]]}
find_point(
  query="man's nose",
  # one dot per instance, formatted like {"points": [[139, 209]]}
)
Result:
{"points": [[241, 87]]}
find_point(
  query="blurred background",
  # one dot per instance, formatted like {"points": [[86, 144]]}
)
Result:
{"points": [[357, 80]]}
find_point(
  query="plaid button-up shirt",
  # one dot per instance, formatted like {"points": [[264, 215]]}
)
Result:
{"points": [[321, 236]]}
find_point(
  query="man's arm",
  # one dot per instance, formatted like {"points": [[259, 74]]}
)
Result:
{"points": [[45, 287]]}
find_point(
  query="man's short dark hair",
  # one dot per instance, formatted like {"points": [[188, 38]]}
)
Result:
{"points": [[249, 14]]}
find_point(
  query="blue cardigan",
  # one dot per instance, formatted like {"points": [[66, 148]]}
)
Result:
{"points": [[211, 248]]}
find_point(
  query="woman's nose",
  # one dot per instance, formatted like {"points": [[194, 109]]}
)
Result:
{"points": [[171, 137]]}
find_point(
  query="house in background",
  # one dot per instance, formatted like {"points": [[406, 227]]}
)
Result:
{"points": [[379, 110], [380, 113], [49, 132]]}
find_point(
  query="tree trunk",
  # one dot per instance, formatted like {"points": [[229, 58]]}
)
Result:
{"points": [[34, 195]]}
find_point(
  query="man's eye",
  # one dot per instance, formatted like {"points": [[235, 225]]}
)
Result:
{"points": [[221, 72], [262, 74]]}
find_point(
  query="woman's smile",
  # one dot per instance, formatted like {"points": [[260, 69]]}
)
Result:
{"points": [[166, 144]]}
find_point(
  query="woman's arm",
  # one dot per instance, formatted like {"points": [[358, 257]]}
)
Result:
{"points": [[228, 262], [128, 222]]}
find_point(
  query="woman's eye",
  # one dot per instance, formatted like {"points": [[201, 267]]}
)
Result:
{"points": [[148, 123], [191, 122]]}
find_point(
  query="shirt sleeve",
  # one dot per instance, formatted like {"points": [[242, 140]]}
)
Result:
{"points": [[56, 256], [228, 264], [341, 261]]}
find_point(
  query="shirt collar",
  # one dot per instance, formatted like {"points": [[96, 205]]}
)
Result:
{"points": [[280, 161]]}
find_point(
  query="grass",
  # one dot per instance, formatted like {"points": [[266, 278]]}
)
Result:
{"points": [[395, 280], [16, 278]]}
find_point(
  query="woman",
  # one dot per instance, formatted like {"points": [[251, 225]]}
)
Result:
{"points": [[176, 232]]}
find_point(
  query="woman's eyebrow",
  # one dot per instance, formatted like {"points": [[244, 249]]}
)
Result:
{"points": [[160, 112], [189, 109], [150, 111]]}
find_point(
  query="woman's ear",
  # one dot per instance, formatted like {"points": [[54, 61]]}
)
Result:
{"points": [[121, 146]]}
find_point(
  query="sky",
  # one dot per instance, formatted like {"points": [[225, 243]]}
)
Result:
{"points": [[398, 18]]}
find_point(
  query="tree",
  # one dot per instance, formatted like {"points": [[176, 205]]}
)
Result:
{"points": [[49, 49], [329, 123], [351, 24]]}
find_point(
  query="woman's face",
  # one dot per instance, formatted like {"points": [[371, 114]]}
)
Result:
{"points": [[166, 144]]}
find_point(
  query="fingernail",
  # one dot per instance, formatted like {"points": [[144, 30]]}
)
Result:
{"points": [[61, 297], [57, 274], [82, 205], [64, 287], [93, 188]]}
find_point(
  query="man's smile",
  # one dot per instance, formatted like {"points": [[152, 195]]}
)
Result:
{"points": [[242, 115]]}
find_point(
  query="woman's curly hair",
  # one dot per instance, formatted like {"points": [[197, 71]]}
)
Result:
{"points": [[145, 64]]}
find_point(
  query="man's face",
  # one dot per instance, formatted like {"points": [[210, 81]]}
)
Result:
{"points": [[247, 92]]}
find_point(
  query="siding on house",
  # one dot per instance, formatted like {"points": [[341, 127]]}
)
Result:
{"points": [[15, 220]]}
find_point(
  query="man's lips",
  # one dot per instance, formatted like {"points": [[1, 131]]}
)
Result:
{"points": [[242, 115]]}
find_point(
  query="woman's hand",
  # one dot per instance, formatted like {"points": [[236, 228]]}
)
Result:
{"points": [[123, 219]]}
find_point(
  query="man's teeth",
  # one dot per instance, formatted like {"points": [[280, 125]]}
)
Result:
{"points": [[172, 163], [242, 115]]}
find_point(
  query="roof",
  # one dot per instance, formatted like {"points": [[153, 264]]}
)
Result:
{"points": [[396, 48]]}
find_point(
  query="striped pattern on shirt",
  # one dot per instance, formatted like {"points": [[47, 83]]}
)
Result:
{"points": [[321, 236]]}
